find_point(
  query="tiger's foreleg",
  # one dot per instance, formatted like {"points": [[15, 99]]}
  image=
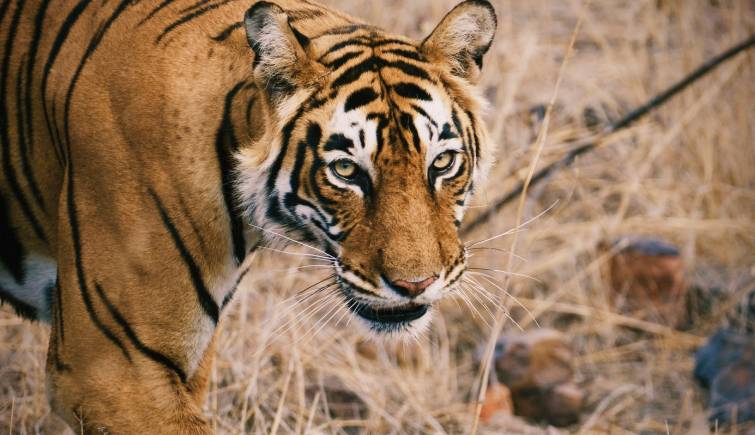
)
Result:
{"points": [[133, 320], [98, 388]]}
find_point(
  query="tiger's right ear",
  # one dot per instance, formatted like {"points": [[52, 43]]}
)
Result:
{"points": [[281, 63], [462, 38]]}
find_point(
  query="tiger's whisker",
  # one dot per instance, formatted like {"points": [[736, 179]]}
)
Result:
{"points": [[293, 241], [503, 251], [305, 315], [473, 292], [307, 290], [299, 254], [514, 230], [320, 322], [485, 293], [491, 280], [503, 309], [504, 272]]}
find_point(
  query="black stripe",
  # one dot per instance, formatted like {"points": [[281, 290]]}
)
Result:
{"points": [[338, 142], [345, 30], [409, 54], [186, 18], [229, 296], [203, 294], [154, 12], [382, 42], [412, 91], [59, 310], [382, 125], [408, 122], [11, 249], [58, 338], [409, 69], [291, 200], [225, 145], [195, 6], [94, 43], [32, 59], [475, 137], [427, 116], [457, 121], [226, 33], [447, 133], [10, 172], [23, 144], [79, 261], [61, 37], [341, 60], [135, 341], [360, 98], [273, 210], [374, 63], [314, 169], [358, 42], [3, 9], [354, 72]]}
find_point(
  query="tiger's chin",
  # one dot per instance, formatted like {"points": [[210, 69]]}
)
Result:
{"points": [[392, 322]]}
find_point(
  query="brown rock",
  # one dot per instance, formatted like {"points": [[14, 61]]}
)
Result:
{"points": [[537, 359], [560, 405], [647, 278], [537, 368]]}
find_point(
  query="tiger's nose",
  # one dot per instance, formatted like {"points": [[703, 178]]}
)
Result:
{"points": [[411, 289]]}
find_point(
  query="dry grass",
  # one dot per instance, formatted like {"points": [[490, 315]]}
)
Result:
{"points": [[686, 173]]}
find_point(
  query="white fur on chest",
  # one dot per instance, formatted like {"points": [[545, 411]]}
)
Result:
{"points": [[39, 277]]}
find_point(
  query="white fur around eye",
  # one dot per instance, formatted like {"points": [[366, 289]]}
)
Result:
{"points": [[438, 185], [350, 124], [340, 182]]}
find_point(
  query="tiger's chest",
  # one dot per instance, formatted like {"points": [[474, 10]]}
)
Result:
{"points": [[29, 289]]}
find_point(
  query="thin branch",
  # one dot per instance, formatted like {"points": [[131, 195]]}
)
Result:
{"points": [[621, 124]]}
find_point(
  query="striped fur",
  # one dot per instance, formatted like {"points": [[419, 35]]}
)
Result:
{"points": [[146, 144]]}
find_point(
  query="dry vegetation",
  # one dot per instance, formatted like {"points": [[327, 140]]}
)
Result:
{"points": [[686, 174]]}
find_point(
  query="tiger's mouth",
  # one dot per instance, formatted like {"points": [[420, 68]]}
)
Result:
{"points": [[389, 316]]}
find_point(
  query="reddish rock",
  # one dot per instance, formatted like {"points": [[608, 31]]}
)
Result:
{"points": [[497, 402], [537, 359], [537, 368], [560, 405], [647, 278]]}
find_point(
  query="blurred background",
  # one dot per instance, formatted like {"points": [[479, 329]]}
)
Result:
{"points": [[636, 264]]}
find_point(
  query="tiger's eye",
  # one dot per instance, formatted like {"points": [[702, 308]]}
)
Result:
{"points": [[344, 168], [444, 161]]}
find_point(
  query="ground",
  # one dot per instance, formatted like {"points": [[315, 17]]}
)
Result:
{"points": [[684, 174]]}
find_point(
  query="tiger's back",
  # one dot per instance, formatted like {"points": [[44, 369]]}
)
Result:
{"points": [[147, 145], [168, 108]]}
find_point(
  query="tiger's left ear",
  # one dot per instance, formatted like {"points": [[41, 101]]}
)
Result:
{"points": [[462, 38], [281, 59]]}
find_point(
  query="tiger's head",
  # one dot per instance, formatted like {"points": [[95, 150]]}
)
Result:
{"points": [[377, 148]]}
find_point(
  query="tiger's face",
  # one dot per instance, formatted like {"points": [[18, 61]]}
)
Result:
{"points": [[377, 155]]}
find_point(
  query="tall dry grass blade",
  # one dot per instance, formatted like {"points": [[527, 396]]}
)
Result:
{"points": [[498, 323]]}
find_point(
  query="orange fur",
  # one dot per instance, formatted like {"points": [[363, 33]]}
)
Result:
{"points": [[130, 133]]}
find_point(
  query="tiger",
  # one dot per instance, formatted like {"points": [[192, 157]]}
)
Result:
{"points": [[148, 148]]}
